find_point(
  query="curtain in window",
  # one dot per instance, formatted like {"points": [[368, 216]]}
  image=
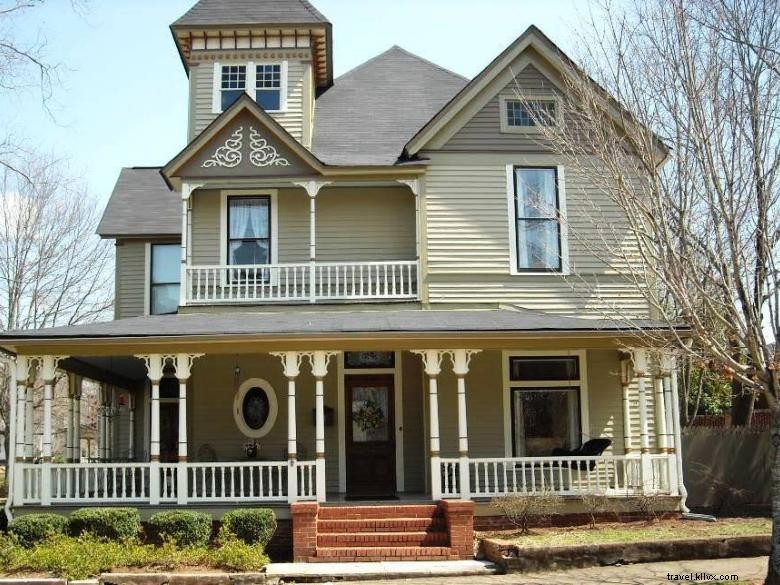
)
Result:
{"points": [[249, 231]]}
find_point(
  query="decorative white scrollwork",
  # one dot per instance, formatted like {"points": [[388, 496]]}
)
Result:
{"points": [[263, 154], [229, 154]]}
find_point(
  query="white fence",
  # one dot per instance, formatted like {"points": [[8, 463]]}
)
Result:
{"points": [[304, 282], [153, 483], [566, 476]]}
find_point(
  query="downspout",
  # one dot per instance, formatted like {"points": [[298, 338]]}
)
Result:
{"points": [[678, 440]]}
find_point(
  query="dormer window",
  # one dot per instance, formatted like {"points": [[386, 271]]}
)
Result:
{"points": [[233, 84], [268, 89], [528, 115]]}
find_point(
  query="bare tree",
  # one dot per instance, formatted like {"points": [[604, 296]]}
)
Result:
{"points": [[688, 151]]}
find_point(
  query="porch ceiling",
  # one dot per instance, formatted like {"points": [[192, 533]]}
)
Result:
{"points": [[224, 332]]}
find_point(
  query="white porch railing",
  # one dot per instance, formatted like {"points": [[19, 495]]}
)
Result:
{"points": [[90, 483], [566, 476], [304, 282]]}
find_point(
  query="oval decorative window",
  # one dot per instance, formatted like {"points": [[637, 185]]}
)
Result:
{"points": [[255, 408]]}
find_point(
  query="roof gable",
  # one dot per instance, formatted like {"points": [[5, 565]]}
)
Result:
{"points": [[531, 47], [243, 141]]}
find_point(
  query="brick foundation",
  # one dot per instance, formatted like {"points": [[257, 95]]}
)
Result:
{"points": [[304, 524], [459, 515]]}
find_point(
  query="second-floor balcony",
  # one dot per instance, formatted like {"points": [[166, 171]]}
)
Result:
{"points": [[311, 282]]}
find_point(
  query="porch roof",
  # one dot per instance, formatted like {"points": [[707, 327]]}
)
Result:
{"points": [[341, 323]]}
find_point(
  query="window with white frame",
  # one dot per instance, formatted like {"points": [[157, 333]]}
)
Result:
{"points": [[268, 86], [537, 219], [233, 84], [545, 404], [249, 230], [165, 277], [530, 113]]}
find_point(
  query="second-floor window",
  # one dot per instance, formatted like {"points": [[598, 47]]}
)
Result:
{"points": [[249, 230], [530, 113], [165, 275], [268, 87], [537, 217], [233, 84]]}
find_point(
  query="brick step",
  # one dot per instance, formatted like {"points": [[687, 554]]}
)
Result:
{"points": [[383, 553], [382, 525], [383, 539], [377, 512]]}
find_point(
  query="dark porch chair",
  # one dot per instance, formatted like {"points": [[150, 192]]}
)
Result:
{"points": [[591, 448]]}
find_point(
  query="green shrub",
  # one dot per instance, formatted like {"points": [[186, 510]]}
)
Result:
{"points": [[33, 528], [252, 526], [184, 527], [235, 555], [107, 523]]}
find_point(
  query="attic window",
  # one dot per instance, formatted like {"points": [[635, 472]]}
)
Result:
{"points": [[233, 84], [525, 115], [268, 87]]}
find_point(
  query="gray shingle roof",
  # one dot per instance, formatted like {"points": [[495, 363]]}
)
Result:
{"points": [[304, 323], [371, 112], [218, 12], [141, 205]]}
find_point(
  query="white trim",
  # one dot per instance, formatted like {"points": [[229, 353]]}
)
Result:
{"points": [[507, 385], [397, 373], [530, 97], [223, 198], [273, 407], [147, 278], [512, 221], [216, 89]]}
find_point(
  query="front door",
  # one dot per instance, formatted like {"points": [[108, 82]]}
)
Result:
{"points": [[370, 436]]}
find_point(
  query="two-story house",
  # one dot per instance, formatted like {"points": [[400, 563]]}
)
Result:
{"points": [[356, 290]]}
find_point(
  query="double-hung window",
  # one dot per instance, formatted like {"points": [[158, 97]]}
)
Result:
{"points": [[165, 276], [545, 404], [268, 87], [249, 230], [530, 113], [233, 84], [537, 219]]}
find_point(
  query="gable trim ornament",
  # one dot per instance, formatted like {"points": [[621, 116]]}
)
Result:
{"points": [[263, 154], [229, 154]]}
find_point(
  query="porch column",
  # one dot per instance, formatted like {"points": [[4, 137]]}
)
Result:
{"points": [[641, 371], [319, 369], [291, 364], [154, 369], [48, 373], [183, 364], [131, 427], [661, 436], [69, 424], [20, 374], [186, 207], [460, 366], [683, 493], [77, 419], [312, 189], [415, 186], [29, 451], [432, 362], [626, 374]]}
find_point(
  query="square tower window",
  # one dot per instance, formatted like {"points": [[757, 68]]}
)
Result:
{"points": [[268, 87], [233, 84]]}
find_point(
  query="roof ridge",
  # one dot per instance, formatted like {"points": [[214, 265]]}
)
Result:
{"points": [[360, 66]]}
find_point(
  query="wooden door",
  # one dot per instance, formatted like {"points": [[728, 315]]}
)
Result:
{"points": [[169, 432], [370, 435]]}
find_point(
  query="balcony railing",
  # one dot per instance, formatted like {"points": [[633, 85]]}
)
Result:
{"points": [[301, 283]]}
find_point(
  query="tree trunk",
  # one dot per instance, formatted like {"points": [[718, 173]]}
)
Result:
{"points": [[773, 572], [742, 404]]}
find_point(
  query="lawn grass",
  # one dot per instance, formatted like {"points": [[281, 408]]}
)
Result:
{"points": [[617, 532]]}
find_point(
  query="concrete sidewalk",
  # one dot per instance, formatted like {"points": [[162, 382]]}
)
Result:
{"points": [[290, 572], [749, 570]]}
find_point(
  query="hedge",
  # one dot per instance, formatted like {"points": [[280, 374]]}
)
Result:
{"points": [[108, 523], [184, 527], [31, 529], [252, 525]]}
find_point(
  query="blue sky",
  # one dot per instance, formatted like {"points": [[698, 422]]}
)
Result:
{"points": [[123, 97]]}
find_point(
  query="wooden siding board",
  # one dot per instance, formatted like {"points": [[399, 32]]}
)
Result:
{"points": [[130, 278]]}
